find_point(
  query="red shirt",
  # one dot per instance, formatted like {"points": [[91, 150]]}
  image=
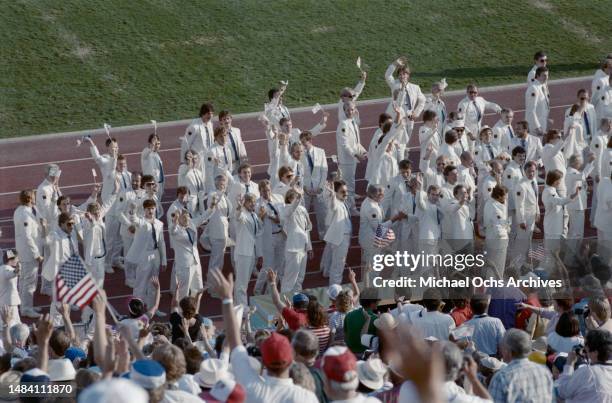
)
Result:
{"points": [[461, 315], [522, 316], [295, 318]]}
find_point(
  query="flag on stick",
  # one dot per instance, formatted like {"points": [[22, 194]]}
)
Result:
{"points": [[74, 284], [384, 235]]}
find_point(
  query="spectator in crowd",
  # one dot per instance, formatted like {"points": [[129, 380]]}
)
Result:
{"points": [[354, 320], [488, 331], [432, 322], [566, 334]]}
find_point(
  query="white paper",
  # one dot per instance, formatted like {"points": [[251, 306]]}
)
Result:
{"points": [[93, 172], [285, 82], [316, 108], [107, 128], [359, 62], [154, 123], [334, 158]]}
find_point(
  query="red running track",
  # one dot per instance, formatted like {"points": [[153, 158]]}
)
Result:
{"points": [[23, 162]]}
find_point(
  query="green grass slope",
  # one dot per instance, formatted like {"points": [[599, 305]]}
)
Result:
{"points": [[70, 64]]}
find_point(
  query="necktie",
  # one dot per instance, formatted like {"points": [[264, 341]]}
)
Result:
{"points": [[478, 113], [34, 211], [198, 182], [247, 188], [233, 146], [154, 234], [273, 209], [586, 123], [71, 245], [442, 117], [297, 170], [254, 223], [161, 172], [490, 151], [438, 215], [310, 161], [356, 129], [188, 230], [208, 142], [524, 144], [510, 132], [408, 101], [413, 204], [348, 217], [124, 181], [225, 155], [534, 185]]}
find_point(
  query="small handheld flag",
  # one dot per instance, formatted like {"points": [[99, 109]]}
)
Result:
{"points": [[384, 236]]}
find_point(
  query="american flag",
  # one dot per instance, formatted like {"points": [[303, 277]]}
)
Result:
{"points": [[537, 252], [384, 236], [74, 284]]}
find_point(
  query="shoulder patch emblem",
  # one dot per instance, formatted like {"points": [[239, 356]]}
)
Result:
{"points": [[44, 197], [441, 196], [121, 199], [189, 133], [374, 215], [476, 152], [388, 186], [344, 129], [533, 94], [596, 145], [489, 189], [518, 193], [598, 87], [25, 224], [603, 98], [209, 158], [509, 176], [499, 217]]}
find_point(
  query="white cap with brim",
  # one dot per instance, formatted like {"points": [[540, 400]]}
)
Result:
{"points": [[334, 290], [211, 370], [61, 370], [116, 390], [371, 373]]}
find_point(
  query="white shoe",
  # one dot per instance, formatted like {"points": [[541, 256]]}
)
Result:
{"points": [[109, 270], [30, 313]]}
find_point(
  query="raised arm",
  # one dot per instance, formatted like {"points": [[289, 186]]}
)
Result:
{"points": [[224, 287], [276, 300]]}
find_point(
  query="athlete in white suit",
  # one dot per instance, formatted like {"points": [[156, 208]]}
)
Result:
{"points": [[537, 103], [314, 162], [296, 224], [473, 108], [350, 150]]}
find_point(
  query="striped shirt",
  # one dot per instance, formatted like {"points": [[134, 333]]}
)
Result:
{"points": [[522, 381], [322, 334]]}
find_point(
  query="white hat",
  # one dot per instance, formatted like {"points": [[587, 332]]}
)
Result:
{"points": [[492, 363], [372, 373], [227, 390], [334, 290], [61, 369], [458, 123], [115, 390], [386, 321], [211, 370]]}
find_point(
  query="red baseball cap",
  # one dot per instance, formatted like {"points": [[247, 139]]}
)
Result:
{"points": [[226, 390], [340, 364], [276, 351]]}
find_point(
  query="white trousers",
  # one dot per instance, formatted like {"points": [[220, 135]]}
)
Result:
{"points": [[27, 283], [15, 317], [217, 254], [316, 203], [242, 272], [144, 271], [497, 250], [295, 268], [347, 171], [338, 259], [190, 279], [273, 258], [113, 240], [97, 271]]}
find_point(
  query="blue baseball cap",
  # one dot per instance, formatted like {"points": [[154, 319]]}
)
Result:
{"points": [[297, 298]]}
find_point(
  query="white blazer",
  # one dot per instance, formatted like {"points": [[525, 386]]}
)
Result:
{"points": [[219, 161], [338, 219], [274, 209], [107, 165], [314, 177], [8, 286], [526, 202], [143, 246], [600, 80], [459, 220], [495, 221], [218, 222], [385, 165], [249, 230], [234, 139], [396, 191], [553, 213], [59, 252], [537, 106], [599, 143], [449, 152], [483, 154], [94, 231], [239, 188], [439, 107], [430, 177], [474, 112], [28, 234], [199, 137], [348, 141], [297, 226], [411, 97], [370, 216], [574, 178], [603, 213], [531, 144], [430, 218], [46, 200], [552, 156], [503, 135], [152, 164], [510, 178], [185, 248]]}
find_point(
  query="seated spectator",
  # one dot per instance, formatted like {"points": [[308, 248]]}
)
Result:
{"points": [[488, 331], [589, 383], [521, 379]]}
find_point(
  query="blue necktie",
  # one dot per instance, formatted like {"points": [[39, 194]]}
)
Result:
{"points": [[198, 182], [490, 151], [34, 211], [247, 188], [161, 172], [443, 118], [103, 246], [413, 204], [225, 155], [438, 215], [310, 161], [586, 123], [71, 245], [154, 234], [535, 189], [188, 230], [233, 146], [124, 181], [510, 132], [273, 209], [524, 144], [408, 100], [478, 113], [208, 142], [254, 223]]}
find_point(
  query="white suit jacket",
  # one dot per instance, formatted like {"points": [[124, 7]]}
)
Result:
{"points": [[249, 231], [503, 135], [107, 165], [235, 135], [429, 215], [495, 220], [142, 249], [599, 143], [510, 178], [526, 201], [537, 106], [218, 223], [459, 220], [370, 215], [270, 227], [185, 250], [297, 226], [239, 188], [337, 220], [59, 252], [28, 234], [417, 99], [46, 200], [552, 156], [8, 286], [553, 212], [348, 140], [152, 164], [314, 178], [533, 146], [600, 80], [603, 213], [395, 192], [199, 137], [574, 178], [474, 114]]}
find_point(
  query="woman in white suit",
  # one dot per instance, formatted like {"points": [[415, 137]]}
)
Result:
{"points": [[603, 218], [552, 154], [555, 214], [190, 175], [186, 256], [296, 224]]}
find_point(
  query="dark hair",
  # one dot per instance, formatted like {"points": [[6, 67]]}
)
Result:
{"points": [[601, 341], [243, 166], [206, 108], [271, 93], [283, 120], [451, 136], [152, 136], [63, 218], [193, 359], [306, 135], [523, 123], [448, 169], [108, 142], [480, 304], [149, 204], [182, 190], [568, 325], [338, 185], [582, 91], [564, 302], [59, 342], [432, 299], [136, 308], [518, 150], [541, 70], [498, 192], [529, 164], [188, 306], [383, 117], [405, 164], [223, 114], [61, 199], [147, 179], [553, 176], [219, 131], [316, 315], [429, 115], [457, 188], [539, 54]]}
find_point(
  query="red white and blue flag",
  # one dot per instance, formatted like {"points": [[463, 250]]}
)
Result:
{"points": [[74, 284], [384, 236]]}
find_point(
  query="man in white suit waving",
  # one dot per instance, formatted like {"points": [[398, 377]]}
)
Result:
{"points": [[315, 178], [350, 151]]}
